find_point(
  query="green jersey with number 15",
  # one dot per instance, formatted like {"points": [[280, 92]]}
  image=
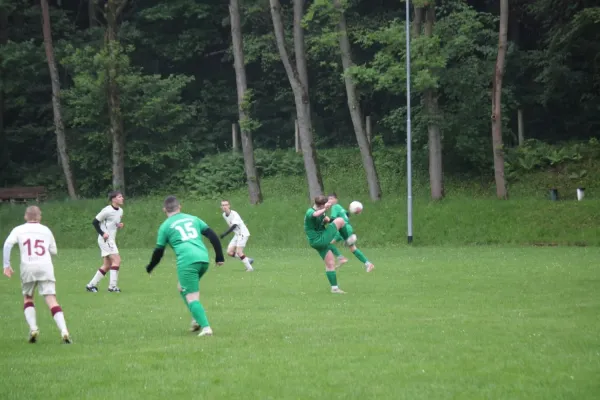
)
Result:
{"points": [[183, 232]]}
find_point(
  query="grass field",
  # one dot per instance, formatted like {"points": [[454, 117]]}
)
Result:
{"points": [[428, 323]]}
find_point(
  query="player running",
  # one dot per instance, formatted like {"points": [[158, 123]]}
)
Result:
{"points": [[337, 211], [182, 232], [37, 246], [106, 223], [320, 237], [240, 237]]}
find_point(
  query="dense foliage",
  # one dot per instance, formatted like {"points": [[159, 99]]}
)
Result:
{"points": [[178, 93]]}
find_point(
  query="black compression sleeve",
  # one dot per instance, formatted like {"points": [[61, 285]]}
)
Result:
{"points": [[96, 224], [231, 228], [216, 243], [156, 257]]}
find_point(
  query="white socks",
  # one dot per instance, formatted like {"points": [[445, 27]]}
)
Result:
{"points": [[30, 317]]}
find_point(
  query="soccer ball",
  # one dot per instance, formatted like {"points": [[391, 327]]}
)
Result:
{"points": [[356, 207]]}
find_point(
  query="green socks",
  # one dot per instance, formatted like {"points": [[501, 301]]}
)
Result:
{"points": [[198, 313], [361, 257], [331, 277]]}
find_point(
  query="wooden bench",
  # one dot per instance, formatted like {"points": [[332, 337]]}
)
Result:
{"points": [[23, 194]]}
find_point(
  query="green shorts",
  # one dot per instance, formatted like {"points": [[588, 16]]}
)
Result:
{"points": [[323, 243], [189, 276]]}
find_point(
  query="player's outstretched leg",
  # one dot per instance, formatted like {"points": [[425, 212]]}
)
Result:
{"points": [[59, 317], [194, 326], [30, 317], [336, 252], [238, 252], [361, 257], [92, 286]]}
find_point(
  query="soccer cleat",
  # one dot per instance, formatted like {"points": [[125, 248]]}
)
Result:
{"points": [[114, 289], [251, 260], [66, 338], [195, 327], [369, 266], [249, 269], [92, 289], [337, 291], [340, 261], [33, 336], [206, 332]]}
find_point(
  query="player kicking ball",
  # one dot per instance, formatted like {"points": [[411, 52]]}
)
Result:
{"points": [[107, 223], [320, 237], [37, 246], [182, 232], [240, 237], [337, 211]]}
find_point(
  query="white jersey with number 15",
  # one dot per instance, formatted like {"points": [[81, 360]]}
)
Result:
{"points": [[37, 246]]}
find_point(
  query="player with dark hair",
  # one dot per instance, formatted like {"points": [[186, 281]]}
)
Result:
{"points": [[106, 223], [320, 236], [337, 211]]}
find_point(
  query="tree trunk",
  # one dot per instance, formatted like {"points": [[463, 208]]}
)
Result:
{"points": [[113, 9], [61, 141], [3, 145], [92, 13], [497, 143], [301, 99], [430, 98], [254, 191], [520, 126], [355, 109]]}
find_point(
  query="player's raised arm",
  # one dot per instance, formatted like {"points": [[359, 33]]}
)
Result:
{"points": [[216, 244]]}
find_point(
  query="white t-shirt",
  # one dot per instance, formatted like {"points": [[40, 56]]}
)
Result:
{"points": [[234, 219], [37, 246], [110, 218]]}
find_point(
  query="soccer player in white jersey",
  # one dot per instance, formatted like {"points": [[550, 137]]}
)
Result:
{"points": [[106, 223], [37, 245], [240, 237]]}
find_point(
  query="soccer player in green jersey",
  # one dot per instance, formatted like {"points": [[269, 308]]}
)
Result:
{"points": [[337, 211], [320, 237], [182, 232]]}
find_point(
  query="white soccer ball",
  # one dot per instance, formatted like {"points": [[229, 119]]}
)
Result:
{"points": [[355, 207]]}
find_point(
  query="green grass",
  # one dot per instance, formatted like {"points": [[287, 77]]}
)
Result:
{"points": [[428, 323], [453, 221]]}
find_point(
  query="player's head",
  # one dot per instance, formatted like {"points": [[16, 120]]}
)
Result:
{"points": [[171, 205], [320, 201], [116, 197], [225, 206], [33, 214], [333, 199]]}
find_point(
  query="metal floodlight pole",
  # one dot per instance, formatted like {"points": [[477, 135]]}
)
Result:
{"points": [[408, 129]]}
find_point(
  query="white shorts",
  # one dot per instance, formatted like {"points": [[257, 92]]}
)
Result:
{"points": [[108, 247], [45, 288], [238, 241]]}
